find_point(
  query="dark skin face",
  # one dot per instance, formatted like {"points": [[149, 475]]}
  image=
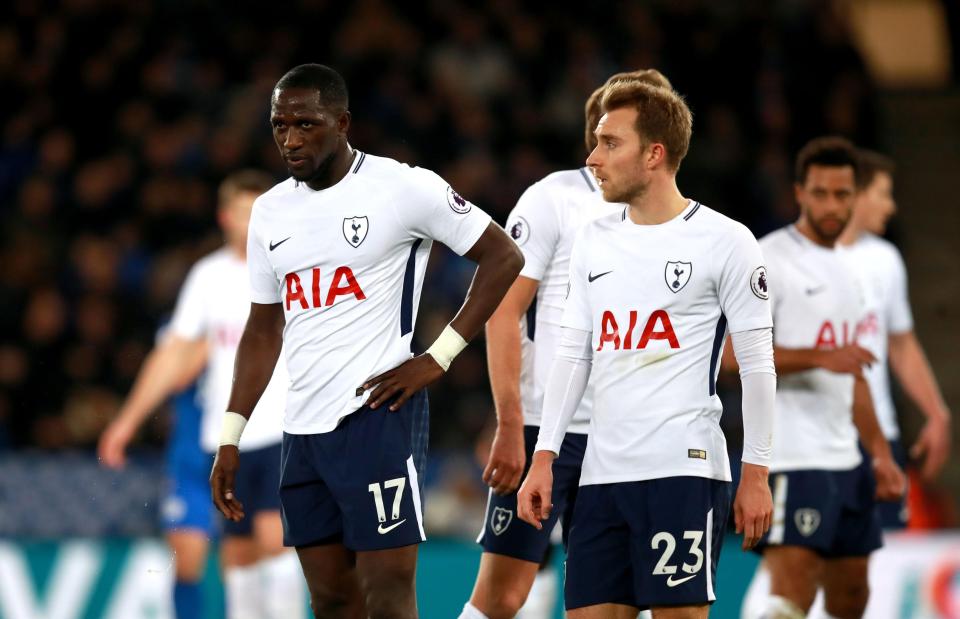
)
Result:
{"points": [[311, 136]]}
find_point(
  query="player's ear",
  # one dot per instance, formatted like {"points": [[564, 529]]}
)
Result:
{"points": [[656, 155], [343, 122], [797, 192]]}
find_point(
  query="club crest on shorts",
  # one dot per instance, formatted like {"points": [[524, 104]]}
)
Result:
{"points": [[355, 229], [677, 274], [500, 519], [807, 520]]}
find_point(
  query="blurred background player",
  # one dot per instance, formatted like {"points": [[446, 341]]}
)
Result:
{"points": [[543, 224], [653, 290], [261, 579], [824, 525], [887, 330]]}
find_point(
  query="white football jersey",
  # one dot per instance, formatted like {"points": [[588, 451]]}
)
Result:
{"points": [[213, 305], [544, 224], [347, 264], [884, 277], [817, 303], [659, 301]]}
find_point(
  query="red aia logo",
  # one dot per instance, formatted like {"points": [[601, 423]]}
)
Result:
{"points": [[342, 284], [828, 335], [658, 327]]}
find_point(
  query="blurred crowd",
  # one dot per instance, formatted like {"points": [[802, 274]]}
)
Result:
{"points": [[119, 119]]}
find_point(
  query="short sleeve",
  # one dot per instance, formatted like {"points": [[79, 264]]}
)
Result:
{"points": [[189, 318], [264, 286], [534, 225], [742, 288], [576, 310], [898, 310], [431, 209]]}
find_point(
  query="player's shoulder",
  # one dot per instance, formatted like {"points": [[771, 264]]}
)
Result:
{"points": [[780, 239], [388, 171], [579, 180], [877, 245], [700, 214], [276, 194], [210, 265]]}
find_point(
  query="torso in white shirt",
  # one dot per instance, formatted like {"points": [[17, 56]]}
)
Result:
{"points": [[659, 301], [213, 305], [817, 303], [887, 312], [347, 264], [544, 224]]}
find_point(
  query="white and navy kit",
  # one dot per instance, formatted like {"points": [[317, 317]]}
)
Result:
{"points": [[887, 312], [213, 305], [822, 499], [347, 265], [544, 224], [659, 301]]}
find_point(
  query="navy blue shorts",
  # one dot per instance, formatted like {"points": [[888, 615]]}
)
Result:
{"points": [[504, 533], [831, 512], [647, 543], [893, 514], [186, 497], [257, 487], [358, 484]]}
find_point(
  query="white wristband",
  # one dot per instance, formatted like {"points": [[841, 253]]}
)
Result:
{"points": [[233, 424], [447, 347]]}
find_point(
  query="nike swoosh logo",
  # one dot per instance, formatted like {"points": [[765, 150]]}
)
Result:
{"points": [[813, 291], [591, 276], [673, 583], [273, 245], [382, 530]]}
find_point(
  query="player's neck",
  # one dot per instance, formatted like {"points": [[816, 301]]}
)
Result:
{"points": [[852, 233], [334, 173], [659, 204], [805, 229]]}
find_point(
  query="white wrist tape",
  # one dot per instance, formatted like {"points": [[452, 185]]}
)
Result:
{"points": [[447, 347], [233, 424]]}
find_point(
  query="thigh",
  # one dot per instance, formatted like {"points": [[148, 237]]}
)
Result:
{"points": [[599, 567], [374, 477], [309, 512], [604, 611], [858, 528], [675, 540], [388, 581]]}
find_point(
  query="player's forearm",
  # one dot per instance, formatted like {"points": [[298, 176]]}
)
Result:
{"points": [[160, 377], [498, 265], [865, 419], [565, 386], [503, 363], [754, 353], [913, 372], [792, 360]]}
